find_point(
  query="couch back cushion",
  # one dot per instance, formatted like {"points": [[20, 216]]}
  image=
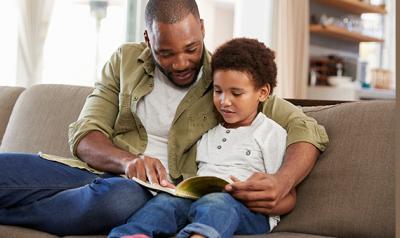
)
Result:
{"points": [[8, 97], [40, 119], [350, 192]]}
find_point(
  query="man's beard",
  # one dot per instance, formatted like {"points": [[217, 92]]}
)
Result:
{"points": [[170, 76]]}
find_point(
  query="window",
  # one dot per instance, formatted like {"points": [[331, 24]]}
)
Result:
{"points": [[70, 47], [8, 46]]}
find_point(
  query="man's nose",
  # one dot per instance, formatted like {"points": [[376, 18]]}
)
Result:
{"points": [[181, 62]]}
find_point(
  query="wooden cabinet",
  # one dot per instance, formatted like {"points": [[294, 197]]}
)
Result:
{"points": [[353, 7], [341, 33], [335, 50]]}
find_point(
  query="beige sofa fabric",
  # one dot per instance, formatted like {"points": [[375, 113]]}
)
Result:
{"points": [[350, 192], [40, 119], [21, 232], [8, 97]]}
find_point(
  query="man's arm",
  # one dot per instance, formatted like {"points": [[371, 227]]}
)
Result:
{"points": [[264, 192], [100, 153], [90, 136]]}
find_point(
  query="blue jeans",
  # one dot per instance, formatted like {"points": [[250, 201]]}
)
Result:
{"points": [[58, 199], [213, 215]]}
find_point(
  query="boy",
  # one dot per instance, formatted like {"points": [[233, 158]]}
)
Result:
{"points": [[246, 142]]}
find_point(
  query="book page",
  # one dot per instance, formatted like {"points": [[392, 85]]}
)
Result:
{"points": [[198, 186], [155, 187]]}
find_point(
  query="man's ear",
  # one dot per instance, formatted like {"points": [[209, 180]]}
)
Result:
{"points": [[146, 38], [203, 31], [264, 93]]}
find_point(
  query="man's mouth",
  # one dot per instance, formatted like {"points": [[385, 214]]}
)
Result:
{"points": [[183, 77]]}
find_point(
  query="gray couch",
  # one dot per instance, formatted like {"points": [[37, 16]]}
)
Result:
{"points": [[349, 193]]}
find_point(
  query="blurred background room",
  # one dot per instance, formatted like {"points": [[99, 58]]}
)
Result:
{"points": [[325, 49]]}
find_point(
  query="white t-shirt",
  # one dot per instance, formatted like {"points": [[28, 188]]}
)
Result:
{"points": [[157, 111], [240, 152]]}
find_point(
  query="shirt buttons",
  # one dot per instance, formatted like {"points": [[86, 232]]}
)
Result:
{"points": [[135, 98], [248, 152], [219, 147], [223, 139], [228, 131]]}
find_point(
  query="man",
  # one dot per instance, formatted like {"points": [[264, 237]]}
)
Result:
{"points": [[143, 120]]}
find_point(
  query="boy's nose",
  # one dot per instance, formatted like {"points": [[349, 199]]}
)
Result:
{"points": [[225, 101]]}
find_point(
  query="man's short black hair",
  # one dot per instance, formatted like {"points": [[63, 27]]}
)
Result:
{"points": [[247, 55], [169, 11]]}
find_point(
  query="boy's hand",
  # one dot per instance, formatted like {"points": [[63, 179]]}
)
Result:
{"points": [[148, 169], [261, 192]]}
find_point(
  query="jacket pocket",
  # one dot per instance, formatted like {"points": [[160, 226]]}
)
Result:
{"points": [[125, 120]]}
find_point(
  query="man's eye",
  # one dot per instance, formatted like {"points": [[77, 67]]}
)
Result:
{"points": [[191, 50], [164, 54]]}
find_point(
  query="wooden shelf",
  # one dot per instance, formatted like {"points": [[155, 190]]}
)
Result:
{"points": [[354, 6], [341, 33]]}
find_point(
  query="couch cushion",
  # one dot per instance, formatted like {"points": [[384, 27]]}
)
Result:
{"points": [[21, 232], [40, 119], [350, 192], [8, 97]]}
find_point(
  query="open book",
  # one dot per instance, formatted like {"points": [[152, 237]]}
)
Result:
{"points": [[192, 188]]}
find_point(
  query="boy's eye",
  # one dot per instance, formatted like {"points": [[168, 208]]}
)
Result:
{"points": [[217, 91], [191, 50], [236, 94]]}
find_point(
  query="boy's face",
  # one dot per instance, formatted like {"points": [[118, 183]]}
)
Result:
{"points": [[236, 97]]}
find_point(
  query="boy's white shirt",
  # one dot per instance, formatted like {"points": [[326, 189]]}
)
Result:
{"points": [[242, 151]]}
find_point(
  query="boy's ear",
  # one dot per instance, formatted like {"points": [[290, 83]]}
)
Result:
{"points": [[264, 93]]}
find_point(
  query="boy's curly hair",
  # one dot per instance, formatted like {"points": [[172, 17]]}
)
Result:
{"points": [[247, 55]]}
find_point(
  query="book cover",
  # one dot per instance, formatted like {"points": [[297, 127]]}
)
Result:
{"points": [[192, 188]]}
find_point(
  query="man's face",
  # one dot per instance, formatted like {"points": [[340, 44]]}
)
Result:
{"points": [[177, 49]]}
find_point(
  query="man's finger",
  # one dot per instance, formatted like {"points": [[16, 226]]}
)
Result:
{"points": [[260, 204], [261, 210], [247, 196], [152, 165], [234, 179], [139, 170], [162, 175], [247, 185], [257, 176]]}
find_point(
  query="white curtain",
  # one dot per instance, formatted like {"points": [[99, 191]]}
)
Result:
{"points": [[290, 39], [33, 21]]}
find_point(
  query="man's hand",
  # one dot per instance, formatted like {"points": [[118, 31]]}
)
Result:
{"points": [[275, 194], [100, 153], [261, 192], [148, 169]]}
